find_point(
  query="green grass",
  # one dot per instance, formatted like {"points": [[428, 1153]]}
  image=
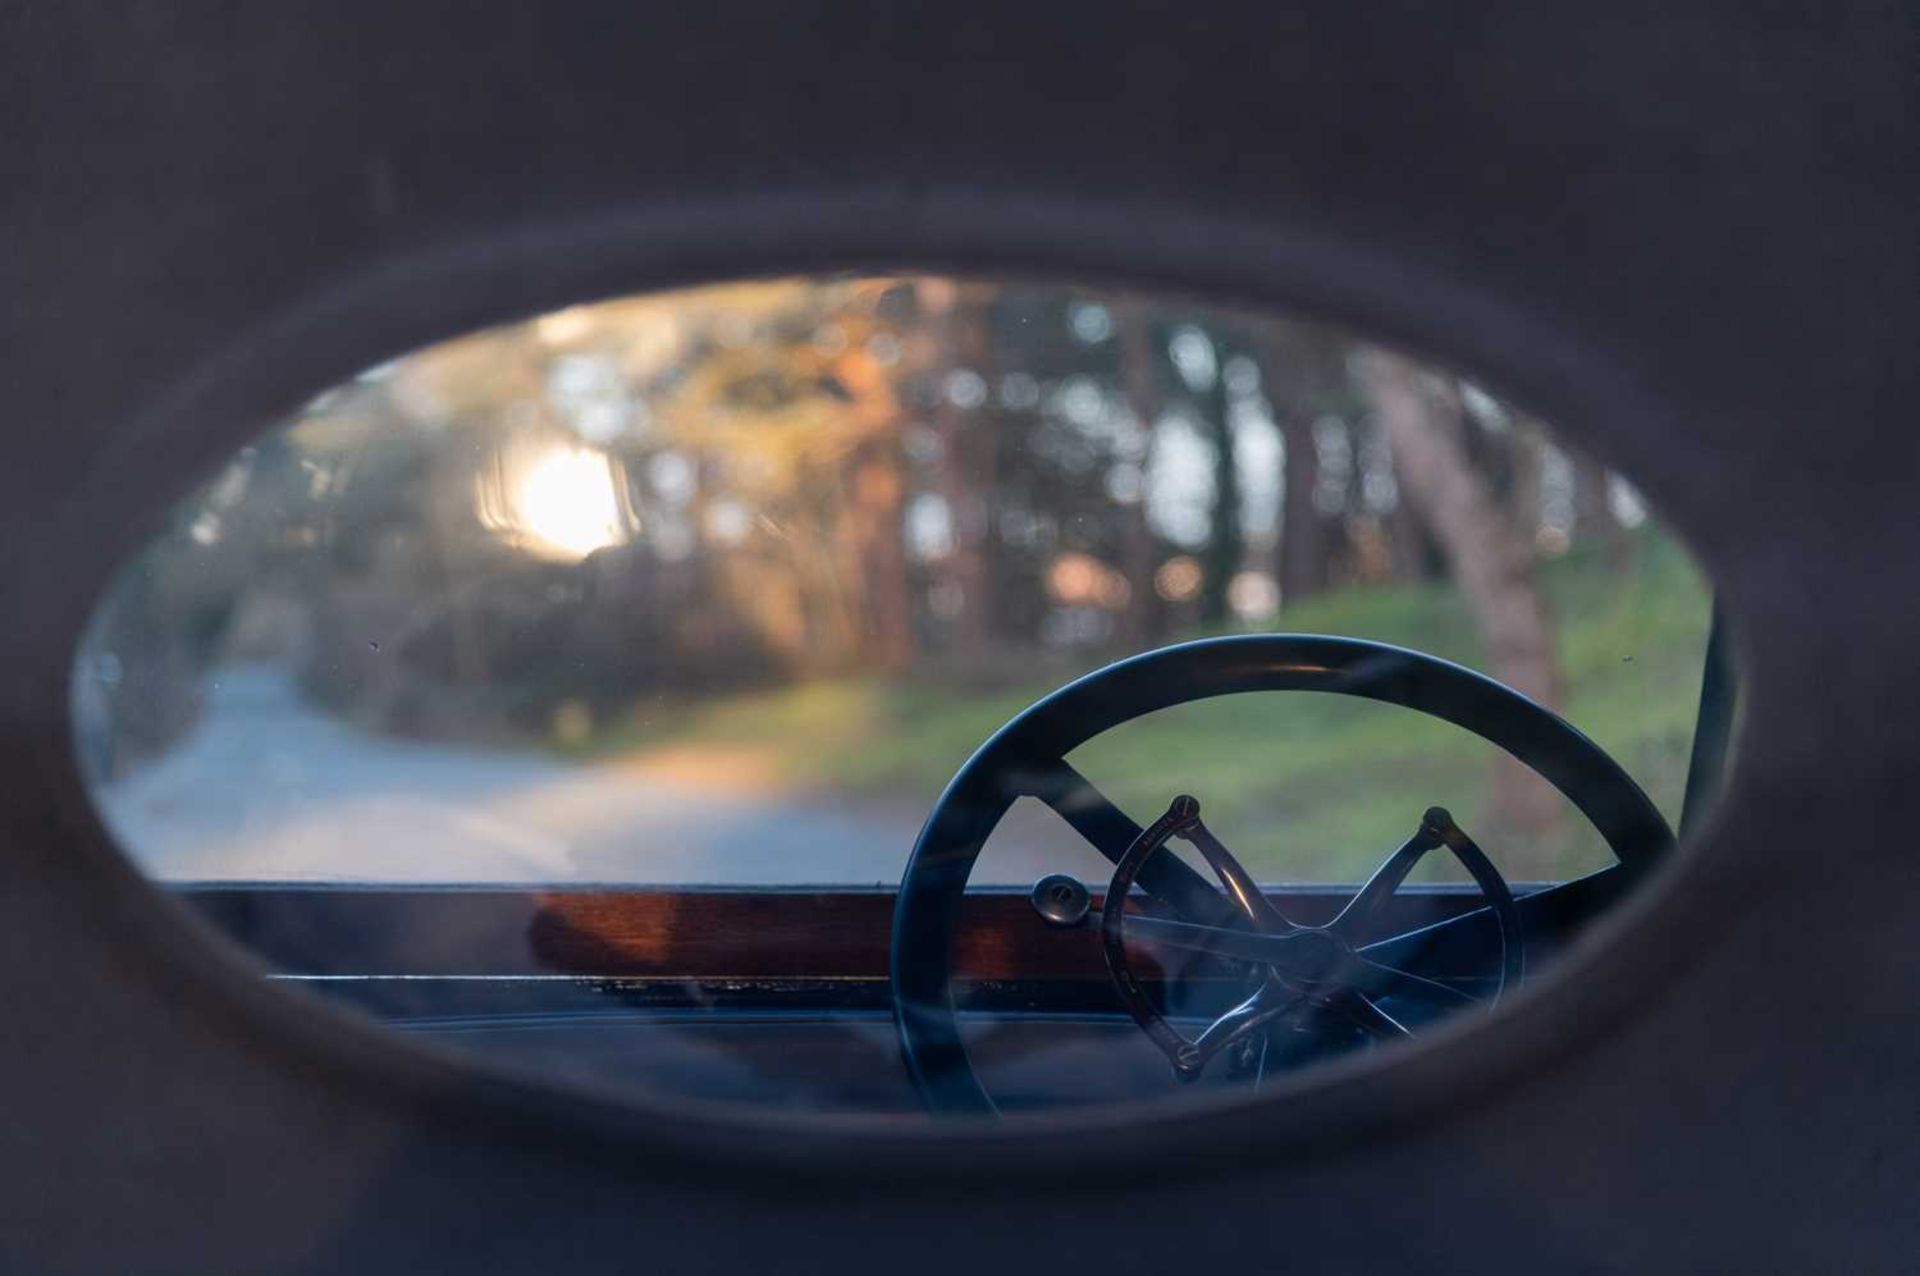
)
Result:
{"points": [[1303, 786]]}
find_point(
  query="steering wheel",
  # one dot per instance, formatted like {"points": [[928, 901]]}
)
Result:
{"points": [[1306, 972]]}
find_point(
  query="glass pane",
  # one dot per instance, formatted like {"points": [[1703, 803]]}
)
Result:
{"points": [[722, 586]]}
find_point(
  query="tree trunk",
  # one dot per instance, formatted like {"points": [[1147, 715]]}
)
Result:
{"points": [[877, 493], [1416, 558], [1224, 540], [957, 319], [1593, 518], [1300, 371], [1486, 555], [1303, 550], [1140, 360], [1525, 494]]}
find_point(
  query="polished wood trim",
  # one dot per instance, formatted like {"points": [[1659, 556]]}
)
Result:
{"points": [[687, 934]]}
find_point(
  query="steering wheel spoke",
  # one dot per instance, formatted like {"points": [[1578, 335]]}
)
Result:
{"points": [[1385, 882], [1110, 831], [1376, 980], [1241, 888], [1367, 1014], [1269, 1003]]}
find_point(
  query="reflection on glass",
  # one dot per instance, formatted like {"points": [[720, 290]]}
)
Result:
{"points": [[721, 586]]}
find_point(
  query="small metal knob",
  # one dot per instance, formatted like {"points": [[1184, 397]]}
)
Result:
{"points": [[1062, 900]]}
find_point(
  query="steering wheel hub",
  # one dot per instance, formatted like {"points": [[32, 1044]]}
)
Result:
{"points": [[1322, 954], [1309, 971]]}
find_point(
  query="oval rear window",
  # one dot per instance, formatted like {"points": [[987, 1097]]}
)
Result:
{"points": [[661, 600]]}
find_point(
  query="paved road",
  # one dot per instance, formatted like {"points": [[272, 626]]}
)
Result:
{"points": [[266, 788]]}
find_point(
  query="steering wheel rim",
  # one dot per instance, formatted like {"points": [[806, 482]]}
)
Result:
{"points": [[1026, 758]]}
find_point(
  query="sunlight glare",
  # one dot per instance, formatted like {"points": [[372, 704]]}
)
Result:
{"points": [[566, 503]]}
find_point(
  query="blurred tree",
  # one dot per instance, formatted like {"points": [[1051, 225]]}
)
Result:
{"points": [[956, 362], [1142, 362], [1488, 557], [1303, 375], [1225, 541], [1593, 516], [800, 420]]}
